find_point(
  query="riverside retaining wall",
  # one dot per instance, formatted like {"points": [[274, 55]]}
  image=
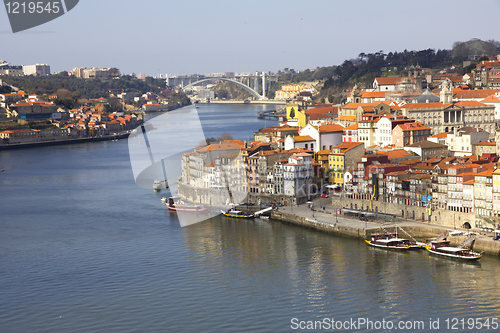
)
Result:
{"points": [[422, 233], [445, 218], [319, 225]]}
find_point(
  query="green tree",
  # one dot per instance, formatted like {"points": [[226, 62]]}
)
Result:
{"points": [[222, 94]]}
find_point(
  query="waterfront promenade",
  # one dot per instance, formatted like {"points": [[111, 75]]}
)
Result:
{"points": [[325, 220]]}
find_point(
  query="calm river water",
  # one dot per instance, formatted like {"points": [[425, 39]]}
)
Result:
{"points": [[84, 249]]}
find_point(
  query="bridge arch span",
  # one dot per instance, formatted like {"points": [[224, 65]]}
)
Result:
{"points": [[247, 88]]}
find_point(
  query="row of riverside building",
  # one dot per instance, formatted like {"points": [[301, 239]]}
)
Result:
{"points": [[395, 143], [90, 119]]}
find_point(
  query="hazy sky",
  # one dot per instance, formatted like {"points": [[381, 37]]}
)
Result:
{"points": [[185, 37]]}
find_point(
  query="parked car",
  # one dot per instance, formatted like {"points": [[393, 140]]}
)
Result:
{"points": [[324, 195]]}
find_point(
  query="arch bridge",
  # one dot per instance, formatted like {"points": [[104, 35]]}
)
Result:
{"points": [[253, 92]]}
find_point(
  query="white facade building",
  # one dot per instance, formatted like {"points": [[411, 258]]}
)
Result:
{"points": [[298, 175], [313, 132], [461, 142], [384, 132], [37, 70]]}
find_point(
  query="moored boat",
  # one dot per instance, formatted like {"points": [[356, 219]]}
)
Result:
{"points": [[175, 203], [442, 248], [237, 213], [159, 185], [389, 243]]}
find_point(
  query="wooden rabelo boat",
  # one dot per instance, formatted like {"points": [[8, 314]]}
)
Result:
{"points": [[388, 241], [442, 248]]}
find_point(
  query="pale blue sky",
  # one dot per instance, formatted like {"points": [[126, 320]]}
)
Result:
{"points": [[184, 37]]}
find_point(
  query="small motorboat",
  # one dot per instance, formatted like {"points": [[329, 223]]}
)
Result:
{"points": [[238, 214]]}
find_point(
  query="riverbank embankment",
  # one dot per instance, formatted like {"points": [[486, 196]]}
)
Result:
{"points": [[65, 142], [324, 219]]}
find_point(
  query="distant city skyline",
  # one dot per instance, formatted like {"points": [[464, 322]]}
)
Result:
{"points": [[181, 38]]}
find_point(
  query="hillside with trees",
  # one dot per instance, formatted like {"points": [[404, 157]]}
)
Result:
{"points": [[475, 48], [84, 88], [70, 89], [367, 66], [228, 90]]}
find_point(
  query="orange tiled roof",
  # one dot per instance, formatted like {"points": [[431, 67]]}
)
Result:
{"points": [[483, 93], [469, 103], [373, 94], [240, 143], [398, 153], [413, 126], [391, 80], [331, 128], [431, 105], [486, 143], [352, 127], [487, 173], [346, 118], [302, 138], [347, 145], [363, 105], [440, 135], [218, 146], [491, 99]]}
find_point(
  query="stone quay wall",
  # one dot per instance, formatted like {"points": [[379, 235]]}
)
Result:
{"points": [[445, 218]]}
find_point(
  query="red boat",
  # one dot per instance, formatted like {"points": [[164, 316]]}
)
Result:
{"points": [[175, 203]]}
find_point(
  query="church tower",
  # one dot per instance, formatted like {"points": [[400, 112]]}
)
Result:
{"points": [[355, 95], [416, 73], [445, 94]]}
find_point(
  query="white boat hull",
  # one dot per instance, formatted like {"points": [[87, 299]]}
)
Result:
{"points": [[389, 247], [474, 257]]}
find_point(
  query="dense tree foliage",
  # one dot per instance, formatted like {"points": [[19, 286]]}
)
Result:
{"points": [[475, 48], [84, 88], [228, 90], [5, 89]]}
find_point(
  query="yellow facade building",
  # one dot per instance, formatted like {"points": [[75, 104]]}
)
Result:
{"points": [[343, 158], [294, 114]]}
